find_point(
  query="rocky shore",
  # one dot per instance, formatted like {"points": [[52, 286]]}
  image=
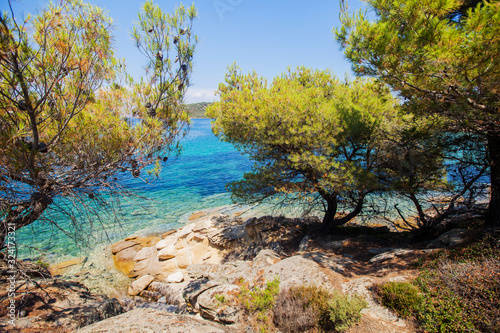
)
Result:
{"points": [[184, 280]]}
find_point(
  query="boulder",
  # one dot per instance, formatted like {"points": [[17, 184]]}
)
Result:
{"points": [[216, 301], [154, 320], [168, 241], [389, 255], [172, 293], [146, 253], [297, 270], [167, 252], [175, 278], [451, 238], [140, 284], [203, 225], [122, 245], [266, 258], [196, 288], [124, 260]]}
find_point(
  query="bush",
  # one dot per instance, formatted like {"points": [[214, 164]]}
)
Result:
{"points": [[259, 303], [402, 297], [312, 308], [291, 314], [344, 311], [461, 289]]}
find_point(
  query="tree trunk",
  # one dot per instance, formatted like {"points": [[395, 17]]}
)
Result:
{"points": [[330, 211], [20, 217], [493, 216]]}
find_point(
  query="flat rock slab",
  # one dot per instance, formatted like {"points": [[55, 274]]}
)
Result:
{"points": [[152, 321]]}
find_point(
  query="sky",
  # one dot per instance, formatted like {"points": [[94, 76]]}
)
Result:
{"points": [[265, 36]]}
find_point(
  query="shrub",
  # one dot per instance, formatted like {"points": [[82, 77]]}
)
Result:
{"points": [[292, 315], [259, 303], [402, 297], [461, 289], [344, 311], [312, 308]]}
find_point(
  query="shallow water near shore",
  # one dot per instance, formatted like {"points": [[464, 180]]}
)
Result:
{"points": [[194, 181]]}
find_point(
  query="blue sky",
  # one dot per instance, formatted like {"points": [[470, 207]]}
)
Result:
{"points": [[265, 36]]}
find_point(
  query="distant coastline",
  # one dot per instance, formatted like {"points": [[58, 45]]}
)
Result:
{"points": [[197, 110]]}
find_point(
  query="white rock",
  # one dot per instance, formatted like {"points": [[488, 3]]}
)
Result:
{"points": [[203, 224], [166, 242], [145, 253], [167, 253], [140, 284], [175, 278]]}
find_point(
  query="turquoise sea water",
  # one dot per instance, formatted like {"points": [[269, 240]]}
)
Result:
{"points": [[193, 181]]}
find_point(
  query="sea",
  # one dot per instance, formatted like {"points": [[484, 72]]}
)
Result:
{"points": [[193, 181]]}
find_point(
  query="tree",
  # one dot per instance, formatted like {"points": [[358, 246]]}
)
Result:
{"points": [[435, 170], [443, 57], [312, 137], [65, 120]]}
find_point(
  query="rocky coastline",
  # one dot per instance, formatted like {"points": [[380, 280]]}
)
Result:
{"points": [[175, 281]]}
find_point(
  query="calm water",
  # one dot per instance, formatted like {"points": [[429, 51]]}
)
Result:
{"points": [[194, 181]]}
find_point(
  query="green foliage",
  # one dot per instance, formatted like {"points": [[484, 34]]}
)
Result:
{"points": [[402, 297], [65, 118], [461, 289], [309, 307], [312, 137], [344, 311], [220, 298], [260, 299], [259, 302], [442, 58]]}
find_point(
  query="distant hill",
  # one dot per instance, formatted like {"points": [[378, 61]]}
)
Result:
{"points": [[197, 110]]}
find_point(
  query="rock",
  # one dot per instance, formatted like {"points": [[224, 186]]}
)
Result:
{"points": [[266, 258], [184, 231], [168, 233], [197, 215], [196, 288], [171, 292], [168, 267], [212, 302], [297, 270], [338, 244], [140, 284], [149, 266], [122, 245], [183, 258], [451, 238], [379, 250], [197, 271], [56, 306], [124, 260], [146, 253], [167, 242], [167, 252], [175, 278], [153, 320], [59, 268], [304, 243], [389, 255], [226, 236], [203, 225], [150, 296]]}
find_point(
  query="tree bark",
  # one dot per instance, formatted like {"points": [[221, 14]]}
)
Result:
{"points": [[493, 215], [330, 211], [21, 217]]}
